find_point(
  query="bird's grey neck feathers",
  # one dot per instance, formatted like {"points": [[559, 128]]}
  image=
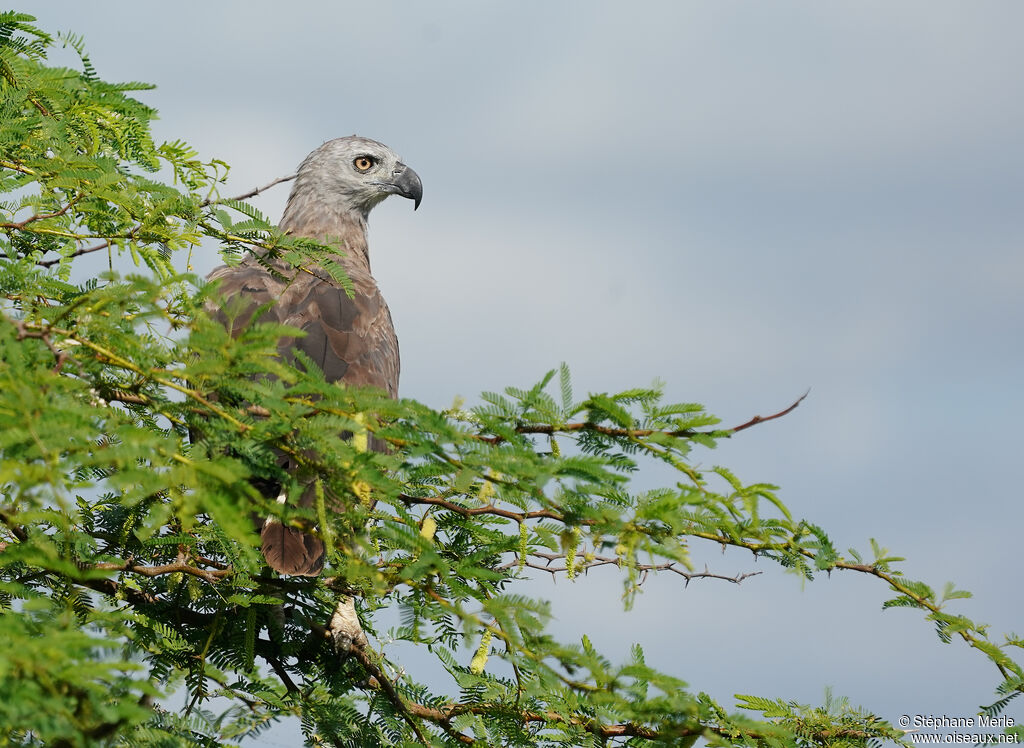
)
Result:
{"points": [[317, 211]]}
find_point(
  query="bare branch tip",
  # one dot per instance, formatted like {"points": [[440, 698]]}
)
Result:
{"points": [[762, 419]]}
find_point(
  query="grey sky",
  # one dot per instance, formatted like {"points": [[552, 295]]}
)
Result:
{"points": [[743, 200]]}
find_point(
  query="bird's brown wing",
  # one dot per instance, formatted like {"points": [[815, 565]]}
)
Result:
{"points": [[352, 340]]}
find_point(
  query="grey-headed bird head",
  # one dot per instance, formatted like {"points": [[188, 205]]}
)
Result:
{"points": [[356, 173]]}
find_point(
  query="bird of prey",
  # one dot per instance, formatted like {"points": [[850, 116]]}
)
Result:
{"points": [[351, 339]]}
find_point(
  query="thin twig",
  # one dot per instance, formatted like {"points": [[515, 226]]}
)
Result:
{"points": [[179, 567], [584, 563], [489, 509], [761, 419], [892, 578], [76, 253], [251, 193], [42, 216], [447, 712], [564, 428], [16, 167]]}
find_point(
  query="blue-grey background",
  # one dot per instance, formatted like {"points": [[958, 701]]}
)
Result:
{"points": [[743, 200]]}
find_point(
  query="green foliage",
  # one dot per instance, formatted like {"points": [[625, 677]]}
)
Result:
{"points": [[835, 723], [51, 658], [129, 443]]}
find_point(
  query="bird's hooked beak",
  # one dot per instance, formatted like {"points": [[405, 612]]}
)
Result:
{"points": [[406, 183]]}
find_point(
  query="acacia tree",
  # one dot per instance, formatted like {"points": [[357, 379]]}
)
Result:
{"points": [[131, 425]]}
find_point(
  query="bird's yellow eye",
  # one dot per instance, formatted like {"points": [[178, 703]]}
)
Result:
{"points": [[363, 163]]}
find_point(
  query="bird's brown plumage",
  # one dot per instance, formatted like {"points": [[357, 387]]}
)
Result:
{"points": [[352, 339]]}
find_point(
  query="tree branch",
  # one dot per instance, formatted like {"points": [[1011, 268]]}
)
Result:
{"points": [[762, 419], [179, 567], [546, 429], [447, 712], [107, 356], [382, 681], [41, 334], [389, 689], [14, 166], [488, 509], [585, 563], [893, 579], [16, 530], [443, 715], [281, 673], [76, 253], [42, 216], [251, 193]]}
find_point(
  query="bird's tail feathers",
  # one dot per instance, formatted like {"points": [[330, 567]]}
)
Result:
{"points": [[292, 551]]}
